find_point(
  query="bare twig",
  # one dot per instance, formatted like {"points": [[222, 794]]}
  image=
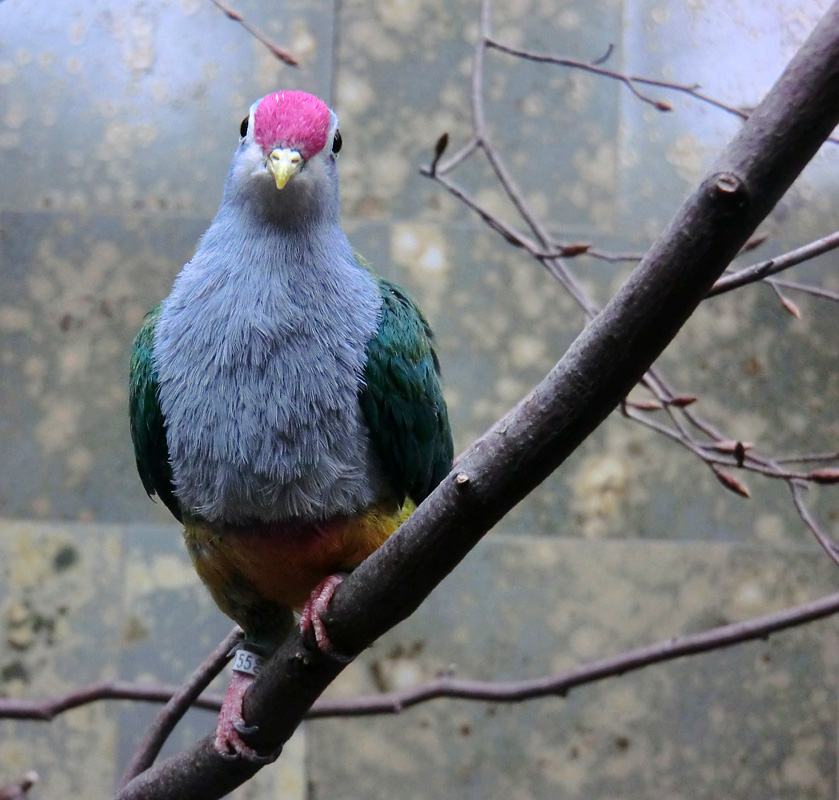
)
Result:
{"points": [[830, 547], [630, 81], [178, 705], [439, 149], [805, 458], [684, 425], [561, 683], [772, 266], [279, 52], [806, 288], [47, 708]]}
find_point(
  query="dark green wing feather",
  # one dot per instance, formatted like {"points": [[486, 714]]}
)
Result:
{"points": [[402, 399], [148, 430]]}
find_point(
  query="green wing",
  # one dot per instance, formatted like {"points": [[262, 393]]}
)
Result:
{"points": [[402, 399], [148, 430]]}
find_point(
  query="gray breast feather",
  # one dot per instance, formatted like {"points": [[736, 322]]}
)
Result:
{"points": [[260, 360]]}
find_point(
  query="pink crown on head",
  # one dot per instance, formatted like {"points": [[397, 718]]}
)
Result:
{"points": [[291, 119]]}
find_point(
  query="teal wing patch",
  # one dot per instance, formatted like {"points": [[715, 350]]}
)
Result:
{"points": [[402, 399], [148, 430]]}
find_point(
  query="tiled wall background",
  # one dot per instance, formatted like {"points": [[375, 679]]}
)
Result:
{"points": [[117, 122]]}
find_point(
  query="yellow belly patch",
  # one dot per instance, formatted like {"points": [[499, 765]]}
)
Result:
{"points": [[282, 562]]}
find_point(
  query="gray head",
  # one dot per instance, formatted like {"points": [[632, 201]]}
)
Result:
{"points": [[284, 169]]}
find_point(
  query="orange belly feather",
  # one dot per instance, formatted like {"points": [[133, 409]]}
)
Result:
{"points": [[282, 562]]}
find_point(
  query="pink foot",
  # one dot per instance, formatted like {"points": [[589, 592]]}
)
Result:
{"points": [[310, 621], [229, 743]]}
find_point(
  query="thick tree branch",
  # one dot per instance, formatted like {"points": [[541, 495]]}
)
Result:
{"points": [[599, 369]]}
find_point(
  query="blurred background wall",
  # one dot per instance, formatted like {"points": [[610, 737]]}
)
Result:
{"points": [[117, 124]]}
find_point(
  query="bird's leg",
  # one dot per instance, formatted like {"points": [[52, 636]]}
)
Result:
{"points": [[228, 742], [231, 724], [311, 625]]}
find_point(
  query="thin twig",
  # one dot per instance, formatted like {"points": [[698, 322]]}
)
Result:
{"points": [[561, 683], [279, 52], [612, 258], [445, 165], [808, 457], [46, 709], [771, 266], [806, 288], [557, 684], [178, 705], [828, 545], [630, 81], [686, 426]]}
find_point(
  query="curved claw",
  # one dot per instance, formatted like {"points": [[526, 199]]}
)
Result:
{"points": [[311, 624], [245, 730], [231, 727], [250, 755], [270, 758]]}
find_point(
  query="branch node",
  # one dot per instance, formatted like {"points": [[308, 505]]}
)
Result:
{"points": [[462, 480], [730, 188]]}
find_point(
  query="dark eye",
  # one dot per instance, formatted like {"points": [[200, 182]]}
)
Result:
{"points": [[243, 128], [337, 142]]}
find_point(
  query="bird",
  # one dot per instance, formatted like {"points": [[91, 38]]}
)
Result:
{"points": [[285, 401]]}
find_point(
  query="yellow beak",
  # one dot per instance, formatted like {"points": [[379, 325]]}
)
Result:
{"points": [[284, 164]]}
